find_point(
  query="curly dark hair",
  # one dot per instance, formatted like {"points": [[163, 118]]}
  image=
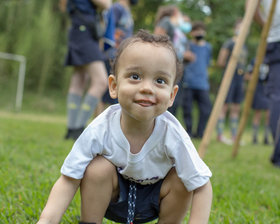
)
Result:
{"points": [[198, 25], [146, 37]]}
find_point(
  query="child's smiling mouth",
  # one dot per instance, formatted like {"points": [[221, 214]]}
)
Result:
{"points": [[145, 102]]}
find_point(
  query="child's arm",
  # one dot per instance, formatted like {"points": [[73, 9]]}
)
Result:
{"points": [[201, 204], [60, 197]]}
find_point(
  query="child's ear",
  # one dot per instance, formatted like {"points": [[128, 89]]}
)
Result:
{"points": [[173, 95], [113, 86]]}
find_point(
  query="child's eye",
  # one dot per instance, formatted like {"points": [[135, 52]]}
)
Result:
{"points": [[160, 81], [135, 77]]}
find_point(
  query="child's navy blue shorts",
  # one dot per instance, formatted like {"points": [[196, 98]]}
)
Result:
{"points": [[147, 202]]}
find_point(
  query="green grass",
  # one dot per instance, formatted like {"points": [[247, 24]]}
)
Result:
{"points": [[32, 150]]}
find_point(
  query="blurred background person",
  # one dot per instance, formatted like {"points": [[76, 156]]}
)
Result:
{"points": [[272, 59], [235, 94], [86, 58], [123, 26], [171, 22], [167, 18], [195, 81], [260, 103]]}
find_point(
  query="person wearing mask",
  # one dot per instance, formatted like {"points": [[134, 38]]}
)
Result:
{"points": [[171, 22], [195, 81]]}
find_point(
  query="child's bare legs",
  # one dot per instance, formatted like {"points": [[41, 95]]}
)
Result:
{"points": [[174, 199], [98, 187]]}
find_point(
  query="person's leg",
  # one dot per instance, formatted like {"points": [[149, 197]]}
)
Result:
{"points": [[256, 124], [204, 105], [174, 199], [98, 187], [274, 115], [221, 122], [98, 75], [267, 131], [275, 127], [272, 89], [187, 102], [237, 98], [234, 117], [275, 159], [74, 98], [222, 116], [98, 84]]}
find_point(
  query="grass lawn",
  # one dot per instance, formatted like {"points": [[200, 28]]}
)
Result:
{"points": [[32, 150]]}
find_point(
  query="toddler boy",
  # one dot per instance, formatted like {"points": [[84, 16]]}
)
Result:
{"points": [[135, 162]]}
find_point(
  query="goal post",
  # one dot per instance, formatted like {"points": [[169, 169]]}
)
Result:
{"points": [[21, 76]]}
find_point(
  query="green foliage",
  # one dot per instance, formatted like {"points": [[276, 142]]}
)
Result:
{"points": [[33, 29], [145, 20], [246, 189]]}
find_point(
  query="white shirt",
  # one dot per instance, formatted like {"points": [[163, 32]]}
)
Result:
{"points": [[274, 32], [169, 145]]}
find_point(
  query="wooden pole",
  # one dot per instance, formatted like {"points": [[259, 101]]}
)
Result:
{"points": [[247, 19], [254, 79]]}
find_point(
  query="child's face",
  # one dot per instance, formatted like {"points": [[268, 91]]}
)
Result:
{"points": [[144, 83]]}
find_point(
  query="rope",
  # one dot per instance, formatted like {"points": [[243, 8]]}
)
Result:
{"points": [[131, 202]]}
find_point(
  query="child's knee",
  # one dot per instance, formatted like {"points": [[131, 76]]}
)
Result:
{"points": [[173, 184], [100, 169], [175, 200]]}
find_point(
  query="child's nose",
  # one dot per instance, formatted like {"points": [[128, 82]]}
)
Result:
{"points": [[147, 87]]}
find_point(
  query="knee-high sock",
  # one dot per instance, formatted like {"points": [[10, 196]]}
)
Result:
{"points": [[255, 131], [73, 107], [267, 132], [87, 108], [220, 126], [233, 126]]}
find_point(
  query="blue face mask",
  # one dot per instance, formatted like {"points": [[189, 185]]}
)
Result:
{"points": [[186, 27]]}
